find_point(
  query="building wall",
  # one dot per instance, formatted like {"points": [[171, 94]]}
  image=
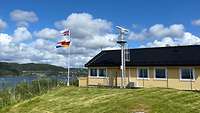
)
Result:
{"points": [[83, 81], [113, 78]]}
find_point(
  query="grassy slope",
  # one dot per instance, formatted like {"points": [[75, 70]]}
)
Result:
{"points": [[94, 100]]}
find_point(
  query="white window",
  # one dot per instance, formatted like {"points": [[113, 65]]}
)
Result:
{"points": [[160, 73], [93, 72], [143, 73], [102, 72], [187, 74], [97, 72]]}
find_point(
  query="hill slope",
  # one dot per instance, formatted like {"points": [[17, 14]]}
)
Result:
{"points": [[16, 69], [94, 100]]}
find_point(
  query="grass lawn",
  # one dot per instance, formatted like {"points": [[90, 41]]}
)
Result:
{"points": [[105, 100]]}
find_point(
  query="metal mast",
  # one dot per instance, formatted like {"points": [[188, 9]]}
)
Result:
{"points": [[121, 41]]}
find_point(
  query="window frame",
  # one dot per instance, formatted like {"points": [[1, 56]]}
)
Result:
{"points": [[166, 73], [97, 68], [102, 76], [193, 72], [90, 72], [138, 77]]}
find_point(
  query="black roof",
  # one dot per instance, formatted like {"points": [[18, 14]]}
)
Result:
{"points": [[157, 56]]}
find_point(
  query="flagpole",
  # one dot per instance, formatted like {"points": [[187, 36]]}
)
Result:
{"points": [[68, 67], [68, 62]]}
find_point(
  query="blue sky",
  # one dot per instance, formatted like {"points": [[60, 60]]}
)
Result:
{"points": [[150, 22], [142, 12]]}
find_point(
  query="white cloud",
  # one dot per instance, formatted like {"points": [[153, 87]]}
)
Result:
{"points": [[138, 36], [196, 22], [87, 31], [5, 39], [60, 24], [47, 33], [187, 39], [97, 42], [23, 17], [21, 34], [88, 36], [83, 25], [28, 53], [158, 31], [3, 24], [164, 42], [158, 36]]}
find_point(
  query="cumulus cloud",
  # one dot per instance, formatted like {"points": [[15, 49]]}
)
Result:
{"points": [[159, 35], [29, 53], [196, 22], [167, 41], [88, 35], [159, 31], [61, 24], [187, 39], [47, 33], [138, 36], [87, 31], [3, 24], [5, 39], [21, 34], [23, 18], [83, 25]]}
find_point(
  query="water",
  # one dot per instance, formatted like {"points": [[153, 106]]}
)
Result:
{"points": [[12, 81]]}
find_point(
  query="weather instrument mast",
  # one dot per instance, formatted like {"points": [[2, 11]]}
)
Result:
{"points": [[121, 41]]}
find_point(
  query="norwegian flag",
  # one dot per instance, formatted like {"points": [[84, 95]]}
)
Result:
{"points": [[65, 33], [64, 43]]}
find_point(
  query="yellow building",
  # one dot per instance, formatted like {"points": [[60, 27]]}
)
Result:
{"points": [[169, 67]]}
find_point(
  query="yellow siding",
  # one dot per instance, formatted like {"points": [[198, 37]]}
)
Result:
{"points": [[98, 81], [173, 81], [83, 81]]}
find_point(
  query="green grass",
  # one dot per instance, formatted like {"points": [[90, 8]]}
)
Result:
{"points": [[103, 100]]}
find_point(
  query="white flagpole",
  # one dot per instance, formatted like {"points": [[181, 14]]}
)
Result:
{"points": [[68, 67], [68, 62]]}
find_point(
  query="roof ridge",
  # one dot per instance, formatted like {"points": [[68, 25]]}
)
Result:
{"points": [[179, 46]]}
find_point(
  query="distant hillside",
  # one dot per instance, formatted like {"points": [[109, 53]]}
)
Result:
{"points": [[17, 69]]}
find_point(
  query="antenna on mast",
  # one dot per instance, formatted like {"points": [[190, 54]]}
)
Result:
{"points": [[121, 41]]}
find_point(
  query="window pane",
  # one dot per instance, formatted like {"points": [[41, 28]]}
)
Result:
{"points": [[186, 73], [93, 72], [143, 73], [160, 73], [102, 72]]}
